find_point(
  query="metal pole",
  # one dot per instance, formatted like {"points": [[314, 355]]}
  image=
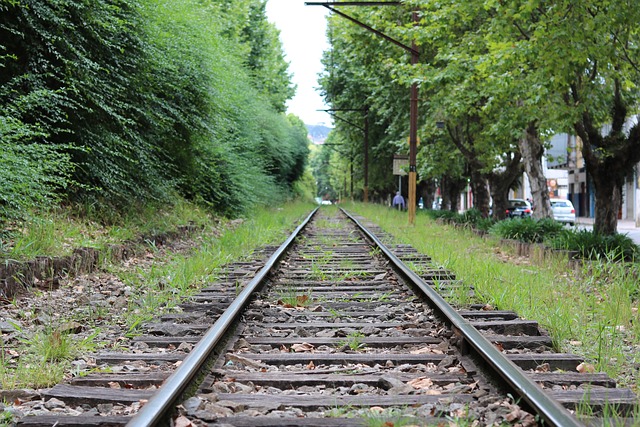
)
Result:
{"points": [[413, 133], [413, 120], [366, 155]]}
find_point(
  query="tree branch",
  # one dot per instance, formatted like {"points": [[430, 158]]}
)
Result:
{"points": [[633, 64], [524, 34]]}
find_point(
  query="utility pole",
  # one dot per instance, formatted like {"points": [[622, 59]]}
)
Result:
{"points": [[413, 132], [413, 104]]}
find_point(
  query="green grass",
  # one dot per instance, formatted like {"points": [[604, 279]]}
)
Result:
{"points": [[354, 341], [293, 298], [166, 283], [45, 353], [58, 231], [593, 312], [388, 417]]}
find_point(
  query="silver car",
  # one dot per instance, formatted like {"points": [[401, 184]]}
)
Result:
{"points": [[563, 211]]}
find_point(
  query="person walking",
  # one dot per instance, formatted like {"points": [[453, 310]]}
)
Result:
{"points": [[398, 202]]}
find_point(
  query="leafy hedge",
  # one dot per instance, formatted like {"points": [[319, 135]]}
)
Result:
{"points": [[472, 218], [586, 243], [554, 234], [590, 245], [527, 229], [122, 102]]}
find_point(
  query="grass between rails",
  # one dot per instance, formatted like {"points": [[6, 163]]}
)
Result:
{"points": [[43, 355], [592, 312], [165, 284]]}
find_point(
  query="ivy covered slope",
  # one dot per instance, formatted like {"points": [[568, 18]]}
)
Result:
{"points": [[120, 102]]}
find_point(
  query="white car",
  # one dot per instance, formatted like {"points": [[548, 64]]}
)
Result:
{"points": [[563, 211]]}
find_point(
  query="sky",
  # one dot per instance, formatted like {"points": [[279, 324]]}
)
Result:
{"points": [[303, 35]]}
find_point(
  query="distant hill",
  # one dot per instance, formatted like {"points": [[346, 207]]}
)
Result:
{"points": [[318, 133]]}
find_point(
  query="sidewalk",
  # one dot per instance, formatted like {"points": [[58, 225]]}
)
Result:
{"points": [[623, 224]]}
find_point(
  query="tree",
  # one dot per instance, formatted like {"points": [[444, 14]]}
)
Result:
{"points": [[149, 98], [584, 58], [266, 58]]}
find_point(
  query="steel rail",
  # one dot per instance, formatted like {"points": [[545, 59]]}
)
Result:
{"points": [[162, 403], [549, 409]]}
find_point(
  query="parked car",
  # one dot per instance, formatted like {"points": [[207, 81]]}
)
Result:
{"points": [[563, 211], [518, 208]]}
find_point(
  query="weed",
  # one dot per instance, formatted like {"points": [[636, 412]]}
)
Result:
{"points": [[387, 417], [6, 418], [375, 252], [353, 341], [384, 297], [293, 298], [334, 313], [340, 412], [318, 272], [346, 263]]}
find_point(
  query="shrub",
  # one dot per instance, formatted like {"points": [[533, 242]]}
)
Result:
{"points": [[440, 214], [526, 229], [590, 245], [472, 218]]}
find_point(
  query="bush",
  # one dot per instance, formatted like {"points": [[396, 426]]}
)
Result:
{"points": [[590, 245], [471, 218], [527, 230], [440, 214]]}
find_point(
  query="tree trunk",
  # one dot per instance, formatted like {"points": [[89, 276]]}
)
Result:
{"points": [[480, 191], [500, 183], [450, 189], [608, 202], [457, 186], [445, 192], [427, 190], [532, 151]]}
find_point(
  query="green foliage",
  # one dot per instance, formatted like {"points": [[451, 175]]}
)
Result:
{"points": [[472, 218], [591, 245], [30, 174], [120, 102], [446, 215], [527, 229]]}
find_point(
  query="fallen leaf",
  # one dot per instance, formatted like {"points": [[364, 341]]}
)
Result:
{"points": [[183, 421], [302, 348], [423, 350], [421, 383], [114, 384], [543, 368], [311, 366], [586, 368]]}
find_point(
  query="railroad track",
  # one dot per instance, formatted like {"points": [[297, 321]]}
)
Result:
{"points": [[336, 330]]}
